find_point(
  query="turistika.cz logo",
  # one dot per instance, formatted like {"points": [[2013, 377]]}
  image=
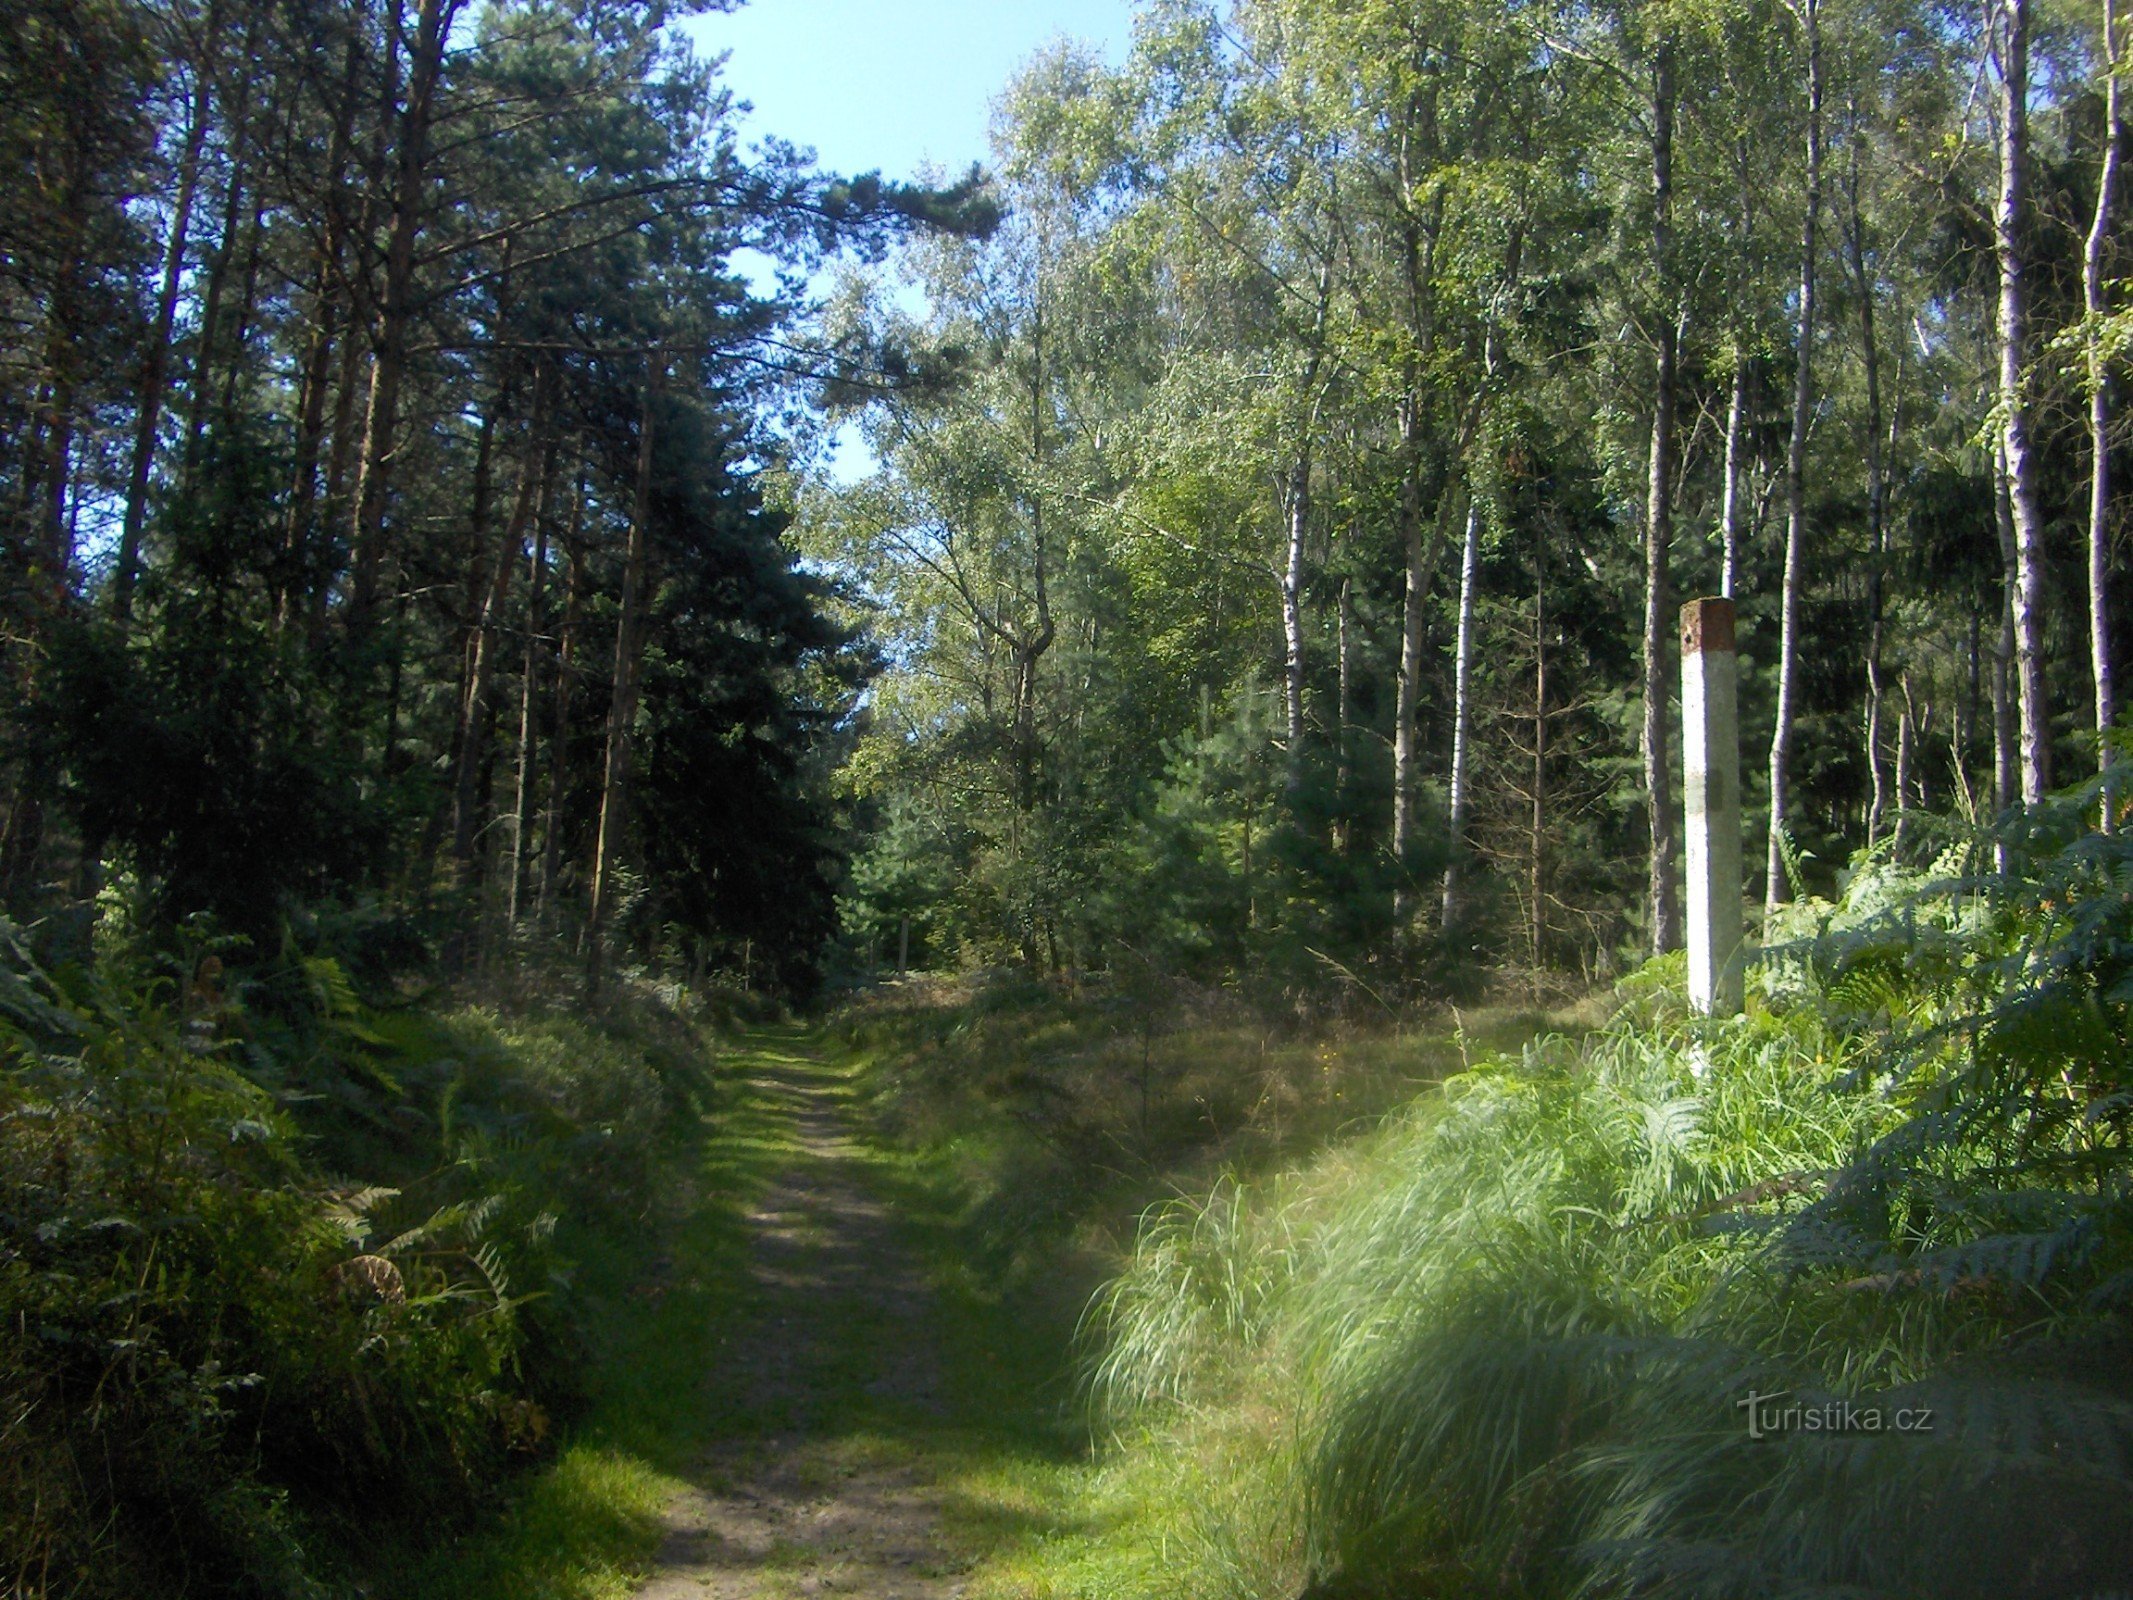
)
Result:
{"points": [[1772, 1414]]}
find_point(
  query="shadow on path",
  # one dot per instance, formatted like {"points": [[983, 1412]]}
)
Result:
{"points": [[820, 1399]]}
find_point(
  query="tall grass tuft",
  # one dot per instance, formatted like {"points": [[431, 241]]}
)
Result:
{"points": [[1505, 1343]]}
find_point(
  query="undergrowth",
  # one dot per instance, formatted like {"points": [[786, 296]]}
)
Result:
{"points": [[1058, 1111], [1508, 1343], [1030, 1124], [287, 1275]]}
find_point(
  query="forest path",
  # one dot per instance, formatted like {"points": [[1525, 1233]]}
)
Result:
{"points": [[825, 1394]]}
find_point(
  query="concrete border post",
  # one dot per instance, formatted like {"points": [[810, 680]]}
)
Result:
{"points": [[1710, 754]]}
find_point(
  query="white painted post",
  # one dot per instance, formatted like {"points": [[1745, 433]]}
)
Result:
{"points": [[1710, 753]]}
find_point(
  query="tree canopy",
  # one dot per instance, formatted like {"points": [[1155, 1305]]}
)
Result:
{"points": [[1378, 378]]}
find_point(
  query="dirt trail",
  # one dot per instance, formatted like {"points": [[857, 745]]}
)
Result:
{"points": [[815, 1493]]}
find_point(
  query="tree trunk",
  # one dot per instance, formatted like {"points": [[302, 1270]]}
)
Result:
{"points": [[1729, 505], [622, 703], [2011, 38], [310, 433], [155, 365], [566, 653], [349, 381], [1292, 630], [2006, 735], [1462, 715], [1028, 646], [2095, 304], [1537, 834], [328, 303], [1664, 892], [475, 576], [1420, 234], [1776, 886], [534, 470], [1964, 728], [238, 126], [359, 355], [1298, 509], [1876, 493], [64, 321], [1407, 707], [529, 694], [433, 23], [1344, 775], [235, 368], [1906, 764]]}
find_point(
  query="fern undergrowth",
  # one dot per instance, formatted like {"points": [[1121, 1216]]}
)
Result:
{"points": [[287, 1277]]}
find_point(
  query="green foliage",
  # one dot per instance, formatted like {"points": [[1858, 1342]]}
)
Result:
{"points": [[228, 1364], [1057, 1112], [744, 686], [1503, 1344], [1195, 885], [193, 750], [298, 601]]}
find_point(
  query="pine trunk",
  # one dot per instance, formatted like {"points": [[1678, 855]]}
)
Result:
{"points": [[566, 667], [237, 126], [328, 307], [534, 471], [396, 309], [529, 696], [622, 702], [155, 366]]}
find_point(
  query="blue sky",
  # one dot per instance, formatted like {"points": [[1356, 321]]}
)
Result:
{"points": [[890, 83]]}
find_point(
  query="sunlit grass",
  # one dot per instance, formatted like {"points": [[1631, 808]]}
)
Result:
{"points": [[581, 1531], [661, 1304], [1033, 1504], [1039, 1505]]}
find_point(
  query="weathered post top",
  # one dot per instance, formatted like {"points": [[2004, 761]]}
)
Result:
{"points": [[1706, 625], [1710, 790]]}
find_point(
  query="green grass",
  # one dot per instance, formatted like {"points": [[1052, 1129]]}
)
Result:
{"points": [[1017, 1147], [1009, 1459], [1013, 1241], [1499, 1346]]}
